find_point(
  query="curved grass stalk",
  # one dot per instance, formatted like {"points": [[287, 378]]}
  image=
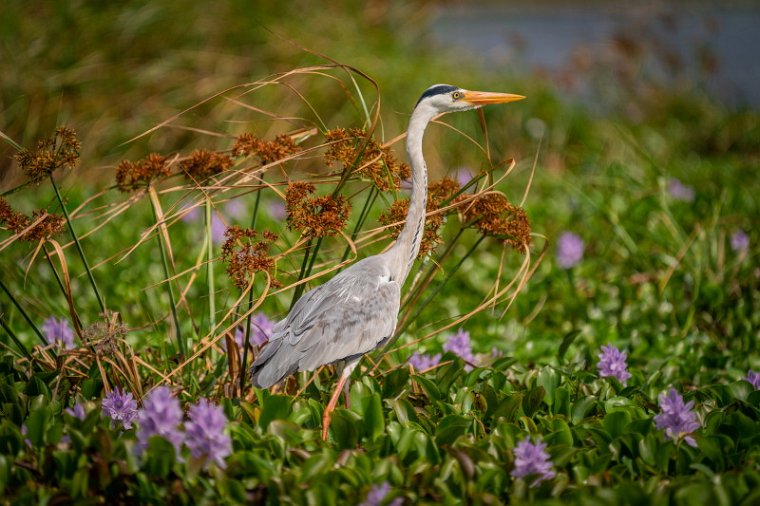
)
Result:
{"points": [[210, 267], [78, 246], [165, 264]]}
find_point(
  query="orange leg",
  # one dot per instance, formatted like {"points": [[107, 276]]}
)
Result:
{"points": [[326, 417]]}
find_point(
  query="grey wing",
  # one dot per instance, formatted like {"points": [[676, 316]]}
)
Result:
{"points": [[348, 316]]}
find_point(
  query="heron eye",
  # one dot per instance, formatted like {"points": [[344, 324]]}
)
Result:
{"points": [[456, 95]]}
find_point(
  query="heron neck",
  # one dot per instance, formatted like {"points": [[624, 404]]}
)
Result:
{"points": [[408, 243]]}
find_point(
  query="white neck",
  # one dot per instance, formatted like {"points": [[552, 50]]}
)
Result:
{"points": [[407, 246]]}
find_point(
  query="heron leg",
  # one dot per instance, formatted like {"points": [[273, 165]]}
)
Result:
{"points": [[327, 415]]}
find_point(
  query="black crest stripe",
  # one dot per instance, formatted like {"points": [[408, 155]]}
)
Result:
{"points": [[436, 90]]}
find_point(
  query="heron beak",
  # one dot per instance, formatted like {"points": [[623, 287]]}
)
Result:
{"points": [[487, 97]]}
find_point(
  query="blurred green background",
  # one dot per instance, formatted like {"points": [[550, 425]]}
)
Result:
{"points": [[621, 101]]}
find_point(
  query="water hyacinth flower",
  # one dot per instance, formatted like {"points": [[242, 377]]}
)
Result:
{"points": [[739, 241], [159, 416], [532, 460], [463, 175], [423, 362], [120, 407], [570, 248], [377, 495], [459, 344], [753, 378], [77, 411], [261, 331], [612, 364], [680, 191], [277, 210], [677, 419], [58, 331], [205, 436]]}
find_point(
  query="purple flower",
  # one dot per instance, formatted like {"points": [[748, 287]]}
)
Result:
{"points": [[204, 434], [57, 330], [753, 378], [192, 215], [377, 495], [24, 432], [261, 331], [236, 208], [424, 362], [159, 416], [532, 459], [739, 241], [459, 344], [277, 210], [569, 250], [77, 411], [677, 418], [464, 175], [612, 364], [120, 407], [218, 228], [680, 191]]}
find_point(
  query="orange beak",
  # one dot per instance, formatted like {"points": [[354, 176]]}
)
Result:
{"points": [[487, 97]]}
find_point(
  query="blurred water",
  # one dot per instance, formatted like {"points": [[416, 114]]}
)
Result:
{"points": [[709, 45]]}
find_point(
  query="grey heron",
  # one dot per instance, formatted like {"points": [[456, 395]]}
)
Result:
{"points": [[356, 311]]}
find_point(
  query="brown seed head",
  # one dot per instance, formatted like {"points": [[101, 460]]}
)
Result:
{"points": [[50, 225], [319, 216], [202, 164], [495, 216], [245, 256], [58, 152], [268, 151], [132, 175], [352, 148]]}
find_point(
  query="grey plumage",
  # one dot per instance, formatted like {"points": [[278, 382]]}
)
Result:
{"points": [[348, 316], [356, 311]]}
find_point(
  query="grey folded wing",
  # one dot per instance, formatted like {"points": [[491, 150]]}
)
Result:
{"points": [[350, 315]]}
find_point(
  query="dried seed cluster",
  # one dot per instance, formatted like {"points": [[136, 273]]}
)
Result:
{"points": [[202, 164], [438, 193], [132, 175], [268, 151], [106, 334], [319, 216], [58, 152], [245, 256], [353, 148], [495, 216], [16, 222]]}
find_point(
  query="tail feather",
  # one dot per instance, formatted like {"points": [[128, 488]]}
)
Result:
{"points": [[269, 369]]}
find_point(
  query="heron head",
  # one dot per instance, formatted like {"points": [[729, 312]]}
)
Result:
{"points": [[448, 98]]}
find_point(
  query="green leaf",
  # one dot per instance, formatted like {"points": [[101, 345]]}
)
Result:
{"points": [[549, 379], [450, 428], [36, 425], [532, 400], [560, 435], [275, 407], [395, 382], [581, 408], [5, 473], [159, 457], [345, 428], [429, 387], [615, 423], [508, 408], [566, 342], [374, 420]]}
